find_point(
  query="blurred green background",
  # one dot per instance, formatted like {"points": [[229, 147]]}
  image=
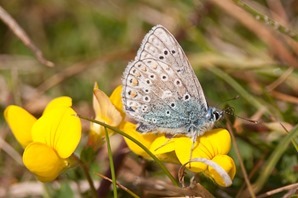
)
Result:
{"points": [[92, 41]]}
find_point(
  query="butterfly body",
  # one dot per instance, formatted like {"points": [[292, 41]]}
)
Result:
{"points": [[161, 91]]}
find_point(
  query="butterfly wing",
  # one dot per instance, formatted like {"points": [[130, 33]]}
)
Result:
{"points": [[160, 44], [160, 87]]}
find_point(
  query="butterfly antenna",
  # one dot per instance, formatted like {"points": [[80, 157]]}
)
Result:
{"points": [[234, 98], [231, 111], [230, 99]]}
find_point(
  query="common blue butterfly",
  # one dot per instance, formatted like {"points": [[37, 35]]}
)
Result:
{"points": [[161, 91]]}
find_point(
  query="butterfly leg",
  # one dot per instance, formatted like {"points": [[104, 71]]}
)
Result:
{"points": [[194, 136], [168, 141], [145, 128]]}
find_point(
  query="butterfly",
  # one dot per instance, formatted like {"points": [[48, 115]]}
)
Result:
{"points": [[161, 91]]}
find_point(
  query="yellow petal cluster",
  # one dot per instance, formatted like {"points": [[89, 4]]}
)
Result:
{"points": [[48, 141], [213, 146], [105, 112]]}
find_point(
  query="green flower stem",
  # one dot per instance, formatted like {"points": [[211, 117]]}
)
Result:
{"points": [[164, 169], [112, 168], [118, 158], [86, 172]]}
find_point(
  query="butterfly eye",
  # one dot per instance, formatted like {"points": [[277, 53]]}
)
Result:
{"points": [[217, 115], [168, 112], [172, 105]]}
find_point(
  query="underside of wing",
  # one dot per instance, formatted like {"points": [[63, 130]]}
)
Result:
{"points": [[158, 84]]}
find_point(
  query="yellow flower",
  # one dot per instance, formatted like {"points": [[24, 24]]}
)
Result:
{"points": [[213, 146], [48, 141], [209, 154], [105, 112], [20, 123], [208, 147], [228, 165], [145, 139]]}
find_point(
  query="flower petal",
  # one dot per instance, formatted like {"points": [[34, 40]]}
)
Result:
{"points": [[117, 100], [104, 108], [105, 112], [212, 143], [96, 137], [43, 161], [227, 163], [60, 129], [145, 139], [63, 101], [164, 148], [216, 141], [20, 123], [162, 145], [183, 151]]}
